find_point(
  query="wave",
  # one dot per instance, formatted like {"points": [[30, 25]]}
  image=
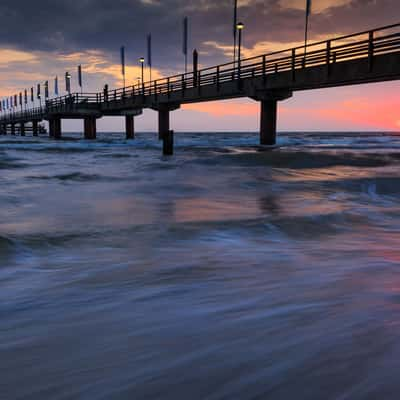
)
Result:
{"points": [[74, 176], [279, 158]]}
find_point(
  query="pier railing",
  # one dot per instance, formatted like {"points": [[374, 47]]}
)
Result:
{"points": [[365, 44]]}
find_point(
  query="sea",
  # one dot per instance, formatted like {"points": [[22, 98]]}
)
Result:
{"points": [[227, 271]]}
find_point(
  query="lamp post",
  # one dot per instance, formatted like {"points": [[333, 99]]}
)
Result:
{"points": [[141, 60], [239, 27], [68, 82]]}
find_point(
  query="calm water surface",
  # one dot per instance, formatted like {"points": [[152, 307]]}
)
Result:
{"points": [[225, 272]]}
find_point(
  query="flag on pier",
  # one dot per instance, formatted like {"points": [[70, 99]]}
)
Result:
{"points": [[32, 95], [80, 75], [25, 96], [308, 13], [20, 98], [185, 39], [46, 90], [308, 7], [123, 63], [149, 53], [38, 91], [56, 85]]}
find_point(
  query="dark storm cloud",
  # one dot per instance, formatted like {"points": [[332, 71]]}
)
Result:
{"points": [[66, 26]]}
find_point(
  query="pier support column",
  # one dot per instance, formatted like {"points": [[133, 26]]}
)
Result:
{"points": [[269, 111], [164, 117], [13, 129], [55, 128], [3, 129], [35, 128], [22, 129], [89, 125], [130, 127], [268, 122], [168, 143], [163, 123]]}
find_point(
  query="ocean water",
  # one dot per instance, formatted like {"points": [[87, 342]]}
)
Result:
{"points": [[224, 272]]}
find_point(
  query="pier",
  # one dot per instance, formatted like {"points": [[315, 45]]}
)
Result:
{"points": [[365, 57]]}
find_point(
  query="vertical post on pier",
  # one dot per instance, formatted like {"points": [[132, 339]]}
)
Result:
{"points": [[370, 50], [163, 122], [168, 143], [55, 128], [13, 129], [35, 130], [130, 127], [268, 122], [90, 128], [22, 129], [51, 128]]}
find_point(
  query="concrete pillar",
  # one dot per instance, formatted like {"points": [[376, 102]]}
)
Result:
{"points": [[90, 128], [163, 123], [51, 128], [22, 129], [35, 128], [55, 128], [3, 129], [168, 143], [130, 126], [268, 122], [13, 129]]}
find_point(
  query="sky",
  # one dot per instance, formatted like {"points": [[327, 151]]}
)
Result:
{"points": [[44, 38]]}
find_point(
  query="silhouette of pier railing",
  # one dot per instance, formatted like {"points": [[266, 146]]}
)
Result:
{"points": [[363, 57], [366, 44]]}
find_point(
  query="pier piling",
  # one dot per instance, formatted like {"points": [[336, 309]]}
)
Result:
{"points": [[35, 128], [168, 143], [130, 127], [90, 131], [268, 122]]}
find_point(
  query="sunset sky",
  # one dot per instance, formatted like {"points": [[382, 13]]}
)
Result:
{"points": [[44, 38]]}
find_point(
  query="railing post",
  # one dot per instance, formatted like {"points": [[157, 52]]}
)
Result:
{"points": [[276, 68], [264, 69], [168, 87], [218, 72], [155, 89], [199, 82], [183, 85], [370, 51], [328, 57], [293, 65]]}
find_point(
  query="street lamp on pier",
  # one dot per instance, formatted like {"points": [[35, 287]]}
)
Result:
{"points": [[239, 27]]}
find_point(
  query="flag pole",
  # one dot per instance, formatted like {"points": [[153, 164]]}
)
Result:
{"points": [[149, 53], [185, 41], [234, 31], [308, 10]]}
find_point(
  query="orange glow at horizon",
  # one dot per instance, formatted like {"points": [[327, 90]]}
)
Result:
{"points": [[380, 113]]}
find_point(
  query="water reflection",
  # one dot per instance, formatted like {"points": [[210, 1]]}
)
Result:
{"points": [[223, 272]]}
